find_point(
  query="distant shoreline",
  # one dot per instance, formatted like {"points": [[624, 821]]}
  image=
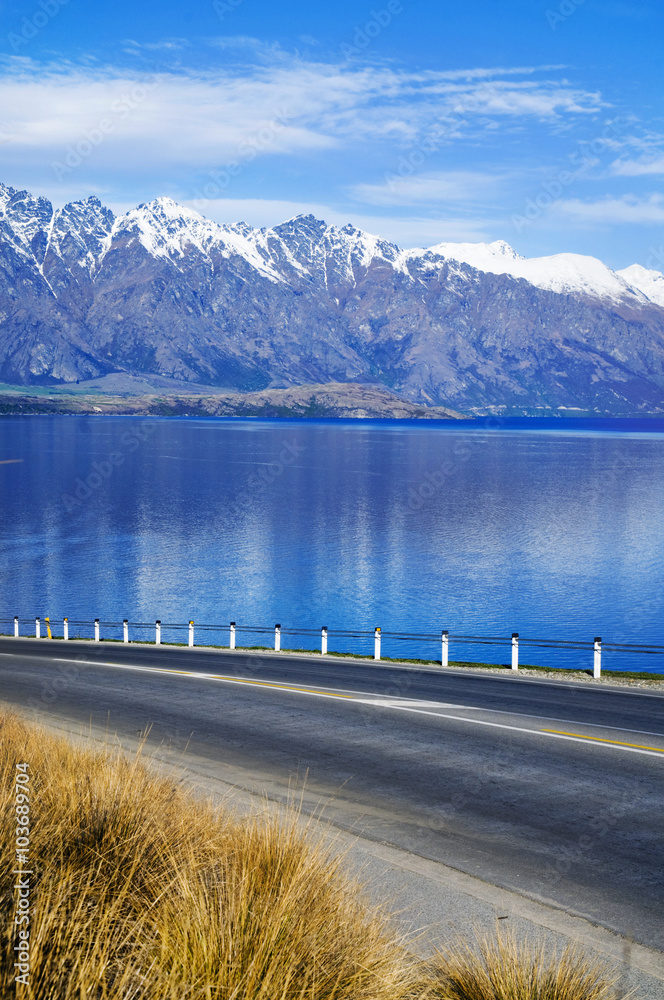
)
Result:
{"points": [[130, 395], [154, 396]]}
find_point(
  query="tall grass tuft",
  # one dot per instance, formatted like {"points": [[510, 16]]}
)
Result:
{"points": [[503, 967], [141, 890]]}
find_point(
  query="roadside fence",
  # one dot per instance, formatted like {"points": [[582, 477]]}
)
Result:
{"points": [[363, 641]]}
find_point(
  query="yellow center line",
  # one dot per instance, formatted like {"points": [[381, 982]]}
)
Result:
{"points": [[243, 681], [598, 739], [279, 687]]}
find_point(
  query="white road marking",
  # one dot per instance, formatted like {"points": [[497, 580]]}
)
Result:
{"points": [[654, 752], [400, 705], [396, 703]]}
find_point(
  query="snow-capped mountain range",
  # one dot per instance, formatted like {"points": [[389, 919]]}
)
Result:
{"points": [[565, 273], [163, 290]]}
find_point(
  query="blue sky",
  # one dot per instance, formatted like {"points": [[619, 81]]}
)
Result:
{"points": [[540, 122]]}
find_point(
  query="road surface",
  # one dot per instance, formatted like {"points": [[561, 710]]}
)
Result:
{"points": [[555, 790]]}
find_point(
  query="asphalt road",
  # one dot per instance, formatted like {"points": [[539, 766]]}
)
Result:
{"points": [[555, 790]]}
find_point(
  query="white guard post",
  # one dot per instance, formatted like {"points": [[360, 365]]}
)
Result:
{"points": [[65, 628], [37, 629], [16, 626], [157, 633], [96, 630], [597, 657], [191, 633], [323, 640], [377, 643], [515, 650], [125, 630], [277, 638], [445, 644], [232, 642]]}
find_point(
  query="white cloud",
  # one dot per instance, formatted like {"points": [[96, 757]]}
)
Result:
{"points": [[163, 115], [171, 118], [627, 209], [495, 71], [547, 99], [165, 45], [638, 168], [427, 188]]}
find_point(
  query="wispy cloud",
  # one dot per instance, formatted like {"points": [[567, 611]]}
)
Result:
{"points": [[628, 209], [485, 73], [247, 45], [193, 134], [166, 45], [429, 188], [638, 168], [203, 118], [545, 99]]}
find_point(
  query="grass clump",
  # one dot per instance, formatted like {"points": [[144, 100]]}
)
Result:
{"points": [[503, 967], [142, 891]]}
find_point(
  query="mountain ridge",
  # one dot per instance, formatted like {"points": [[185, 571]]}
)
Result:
{"points": [[163, 290]]}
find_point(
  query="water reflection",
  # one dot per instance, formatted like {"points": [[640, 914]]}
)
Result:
{"points": [[409, 526]]}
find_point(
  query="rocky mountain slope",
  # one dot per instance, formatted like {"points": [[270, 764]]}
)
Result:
{"points": [[164, 291]]}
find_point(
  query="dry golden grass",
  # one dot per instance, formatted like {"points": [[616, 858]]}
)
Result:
{"points": [[142, 891], [505, 968]]}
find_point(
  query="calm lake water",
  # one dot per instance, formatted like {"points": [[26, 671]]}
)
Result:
{"points": [[553, 529]]}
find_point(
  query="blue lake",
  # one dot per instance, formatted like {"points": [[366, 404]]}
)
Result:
{"points": [[553, 529]]}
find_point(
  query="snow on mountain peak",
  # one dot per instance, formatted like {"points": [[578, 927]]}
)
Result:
{"points": [[5, 196], [167, 203], [651, 283], [325, 252], [576, 274], [166, 214], [90, 208], [29, 220], [304, 244], [309, 245], [307, 222], [166, 229], [169, 230], [565, 273], [503, 248], [497, 258], [166, 208]]}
